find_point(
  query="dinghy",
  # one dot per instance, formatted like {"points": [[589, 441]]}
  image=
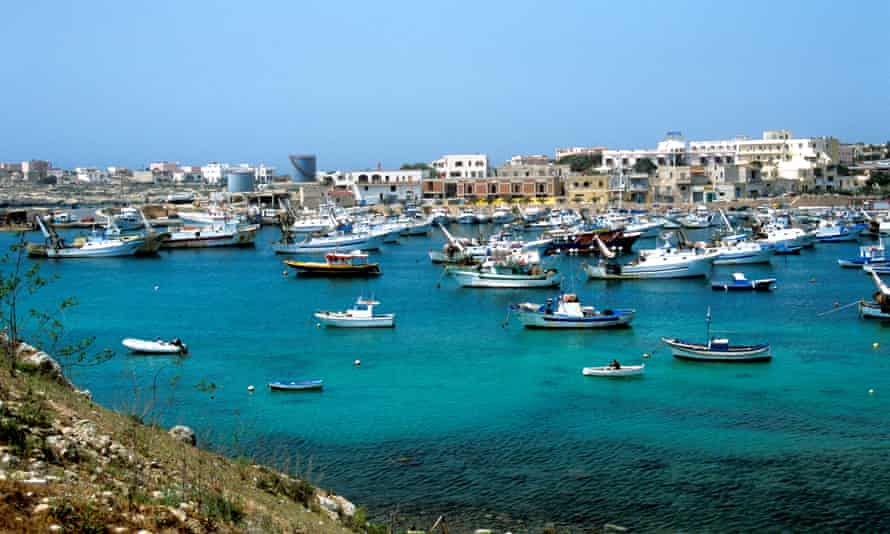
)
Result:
{"points": [[158, 346], [614, 372], [297, 385]]}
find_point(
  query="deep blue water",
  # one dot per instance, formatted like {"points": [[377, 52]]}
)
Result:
{"points": [[451, 413]]}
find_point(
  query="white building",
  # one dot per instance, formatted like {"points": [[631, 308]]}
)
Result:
{"points": [[163, 167], [213, 172], [377, 186], [263, 174], [466, 166], [90, 175], [670, 151], [578, 151]]}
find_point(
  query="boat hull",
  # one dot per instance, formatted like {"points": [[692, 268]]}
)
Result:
{"points": [[324, 246], [744, 257], [618, 318], [297, 385], [305, 268], [504, 281], [140, 346], [610, 372], [872, 310], [378, 321], [197, 239], [125, 248], [694, 268]]}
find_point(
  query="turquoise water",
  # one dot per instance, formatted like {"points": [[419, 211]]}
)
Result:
{"points": [[451, 413]]}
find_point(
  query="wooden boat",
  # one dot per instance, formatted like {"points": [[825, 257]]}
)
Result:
{"points": [[868, 255], [740, 283], [159, 346], [340, 264], [569, 313], [514, 271], [229, 234], [93, 246], [361, 315], [297, 385], [717, 350], [612, 371]]}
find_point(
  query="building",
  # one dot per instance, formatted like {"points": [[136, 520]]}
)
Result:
{"points": [[670, 151], [520, 177], [213, 172], [90, 175], [263, 174], [163, 167], [578, 151], [35, 169], [377, 186], [591, 189], [461, 166]]}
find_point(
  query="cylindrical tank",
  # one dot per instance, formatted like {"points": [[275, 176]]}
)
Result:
{"points": [[304, 167], [239, 180]]}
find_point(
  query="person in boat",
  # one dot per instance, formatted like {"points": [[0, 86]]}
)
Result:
{"points": [[549, 308], [615, 365]]}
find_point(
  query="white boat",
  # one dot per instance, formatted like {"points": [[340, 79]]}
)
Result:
{"points": [[785, 238], [615, 372], [441, 216], [717, 350], [836, 233], [229, 234], [741, 252], [569, 313], [515, 271], [129, 219], [502, 216], [329, 243], [868, 255], [657, 263], [158, 346], [92, 246], [211, 216], [415, 226], [467, 217], [361, 315]]}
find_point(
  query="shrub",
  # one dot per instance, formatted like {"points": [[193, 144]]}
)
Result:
{"points": [[216, 507]]}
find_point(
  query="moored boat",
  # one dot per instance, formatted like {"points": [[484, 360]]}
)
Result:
{"points": [[361, 315], [228, 234], [340, 264], [92, 246], [615, 371], [514, 271], [717, 349], [158, 346], [569, 313], [297, 385], [740, 282]]}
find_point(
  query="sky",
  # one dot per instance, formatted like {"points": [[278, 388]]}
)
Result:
{"points": [[95, 83]]}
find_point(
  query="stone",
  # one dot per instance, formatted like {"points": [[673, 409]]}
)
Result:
{"points": [[40, 508], [180, 514], [346, 508], [183, 434], [61, 449], [9, 460], [46, 365], [55, 528]]}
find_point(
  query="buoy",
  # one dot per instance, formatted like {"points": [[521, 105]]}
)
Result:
{"points": [[358, 363], [836, 304], [875, 345], [646, 355], [871, 391], [284, 272], [157, 287], [250, 388], [317, 325], [812, 280]]}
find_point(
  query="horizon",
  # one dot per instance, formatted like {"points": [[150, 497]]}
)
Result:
{"points": [[114, 84]]}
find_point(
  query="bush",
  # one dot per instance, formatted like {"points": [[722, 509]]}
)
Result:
{"points": [[216, 507]]}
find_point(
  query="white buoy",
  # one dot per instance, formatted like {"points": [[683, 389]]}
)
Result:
{"points": [[871, 391], [157, 287], [358, 363], [646, 355], [250, 388], [317, 325]]}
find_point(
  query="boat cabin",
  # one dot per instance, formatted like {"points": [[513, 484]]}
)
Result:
{"points": [[346, 258]]}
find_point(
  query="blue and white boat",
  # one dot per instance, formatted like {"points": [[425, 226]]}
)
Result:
{"points": [[717, 349], [837, 233], [868, 255], [328, 243], [297, 385], [569, 313], [467, 217], [741, 283]]}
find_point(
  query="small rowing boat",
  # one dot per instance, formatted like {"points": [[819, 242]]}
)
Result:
{"points": [[158, 346], [613, 371], [297, 385]]}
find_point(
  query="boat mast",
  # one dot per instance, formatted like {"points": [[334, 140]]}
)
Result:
{"points": [[708, 323]]}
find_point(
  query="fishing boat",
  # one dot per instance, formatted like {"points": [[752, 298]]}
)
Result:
{"points": [[211, 216], [297, 385], [787, 250], [467, 217], [229, 234], [128, 219], [569, 313], [158, 346], [660, 262], [615, 371], [361, 315], [338, 264], [415, 226], [740, 283], [502, 216], [717, 349], [868, 255], [333, 242], [836, 233], [583, 241], [741, 252], [92, 246], [514, 271], [879, 308]]}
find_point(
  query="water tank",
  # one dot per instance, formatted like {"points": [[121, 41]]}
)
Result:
{"points": [[239, 180], [304, 167]]}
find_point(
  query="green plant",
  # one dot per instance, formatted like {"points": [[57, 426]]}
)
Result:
{"points": [[215, 506], [359, 520]]}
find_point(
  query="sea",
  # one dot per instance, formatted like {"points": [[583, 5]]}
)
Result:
{"points": [[460, 412]]}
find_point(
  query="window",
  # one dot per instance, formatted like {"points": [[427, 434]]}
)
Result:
{"points": [[392, 189], [458, 163]]}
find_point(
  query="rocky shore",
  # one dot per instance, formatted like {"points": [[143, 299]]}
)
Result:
{"points": [[70, 465]]}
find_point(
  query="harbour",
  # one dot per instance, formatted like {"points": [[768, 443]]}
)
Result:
{"points": [[458, 413]]}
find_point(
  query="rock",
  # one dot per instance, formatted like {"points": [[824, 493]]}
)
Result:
{"points": [[9, 461], [61, 449], [180, 514], [46, 365], [346, 508], [35, 481], [183, 434], [55, 528], [157, 495], [143, 531], [40, 508], [85, 393]]}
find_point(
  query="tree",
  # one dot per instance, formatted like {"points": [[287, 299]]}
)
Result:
{"points": [[878, 179], [843, 170], [43, 327], [582, 162], [645, 166], [414, 167]]}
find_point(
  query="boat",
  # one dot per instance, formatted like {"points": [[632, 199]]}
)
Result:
{"points": [[740, 283], [663, 262], [467, 217], [297, 385], [514, 271], [502, 216], [158, 346], [741, 252], [230, 234], [129, 219], [441, 216], [414, 226], [211, 216], [787, 250], [361, 315], [180, 198], [569, 313], [583, 241], [717, 349], [92, 246], [614, 371], [868, 255], [333, 242], [873, 310], [341, 264], [836, 233]]}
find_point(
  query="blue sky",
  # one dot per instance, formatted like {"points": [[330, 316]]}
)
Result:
{"points": [[101, 83]]}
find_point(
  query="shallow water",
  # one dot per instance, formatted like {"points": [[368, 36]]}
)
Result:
{"points": [[451, 413]]}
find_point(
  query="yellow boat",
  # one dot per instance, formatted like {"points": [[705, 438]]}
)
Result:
{"points": [[337, 264]]}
